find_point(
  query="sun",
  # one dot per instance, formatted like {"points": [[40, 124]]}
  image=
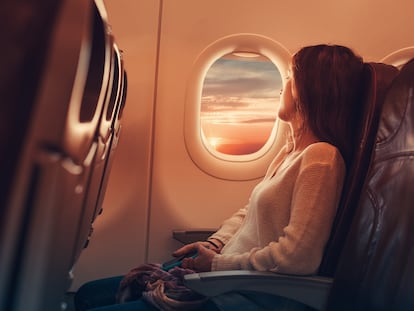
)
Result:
{"points": [[214, 141]]}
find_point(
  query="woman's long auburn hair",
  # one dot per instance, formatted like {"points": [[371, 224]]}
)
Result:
{"points": [[328, 86]]}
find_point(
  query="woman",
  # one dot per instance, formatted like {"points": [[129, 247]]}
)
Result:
{"points": [[286, 224]]}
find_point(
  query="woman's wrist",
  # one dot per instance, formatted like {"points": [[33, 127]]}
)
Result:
{"points": [[217, 244]]}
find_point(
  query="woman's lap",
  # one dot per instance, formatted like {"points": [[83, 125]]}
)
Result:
{"points": [[100, 295], [97, 293]]}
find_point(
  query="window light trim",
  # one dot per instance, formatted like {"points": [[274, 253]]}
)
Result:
{"points": [[400, 57]]}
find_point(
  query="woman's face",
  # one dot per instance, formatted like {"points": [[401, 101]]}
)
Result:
{"points": [[287, 106]]}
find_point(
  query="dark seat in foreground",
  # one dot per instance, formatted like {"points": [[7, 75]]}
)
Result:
{"points": [[62, 90], [354, 218]]}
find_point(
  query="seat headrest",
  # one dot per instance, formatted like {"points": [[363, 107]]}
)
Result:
{"points": [[399, 116]]}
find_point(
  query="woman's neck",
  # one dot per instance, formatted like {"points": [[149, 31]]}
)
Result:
{"points": [[302, 138]]}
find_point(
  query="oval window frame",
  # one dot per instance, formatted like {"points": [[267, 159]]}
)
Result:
{"points": [[231, 167]]}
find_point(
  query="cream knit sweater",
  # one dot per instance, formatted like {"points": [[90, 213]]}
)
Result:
{"points": [[287, 222]]}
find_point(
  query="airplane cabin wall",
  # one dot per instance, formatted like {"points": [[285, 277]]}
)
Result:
{"points": [[154, 182]]}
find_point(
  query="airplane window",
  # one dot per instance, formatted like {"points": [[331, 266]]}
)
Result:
{"points": [[231, 129], [239, 103]]}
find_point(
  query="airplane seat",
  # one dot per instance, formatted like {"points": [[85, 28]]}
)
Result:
{"points": [[313, 290], [105, 76], [106, 139], [376, 81], [52, 84], [117, 105], [376, 268], [22, 60], [116, 130]]}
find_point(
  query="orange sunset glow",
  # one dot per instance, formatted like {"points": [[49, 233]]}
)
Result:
{"points": [[239, 104]]}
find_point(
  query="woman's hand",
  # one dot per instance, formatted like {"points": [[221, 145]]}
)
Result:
{"points": [[202, 263]]}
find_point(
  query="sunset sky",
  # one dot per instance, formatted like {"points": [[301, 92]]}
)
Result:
{"points": [[239, 104]]}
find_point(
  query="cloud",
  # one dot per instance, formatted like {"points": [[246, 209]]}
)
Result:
{"points": [[261, 120], [230, 107], [222, 103], [255, 79]]}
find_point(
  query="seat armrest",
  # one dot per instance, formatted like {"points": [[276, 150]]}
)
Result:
{"points": [[309, 290], [187, 236]]}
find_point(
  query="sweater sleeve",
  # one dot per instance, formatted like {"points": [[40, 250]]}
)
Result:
{"points": [[230, 226], [299, 250]]}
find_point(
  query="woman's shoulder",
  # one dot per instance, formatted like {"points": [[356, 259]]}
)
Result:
{"points": [[322, 152]]}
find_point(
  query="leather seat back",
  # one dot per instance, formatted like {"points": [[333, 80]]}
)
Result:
{"points": [[376, 270], [376, 81]]}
